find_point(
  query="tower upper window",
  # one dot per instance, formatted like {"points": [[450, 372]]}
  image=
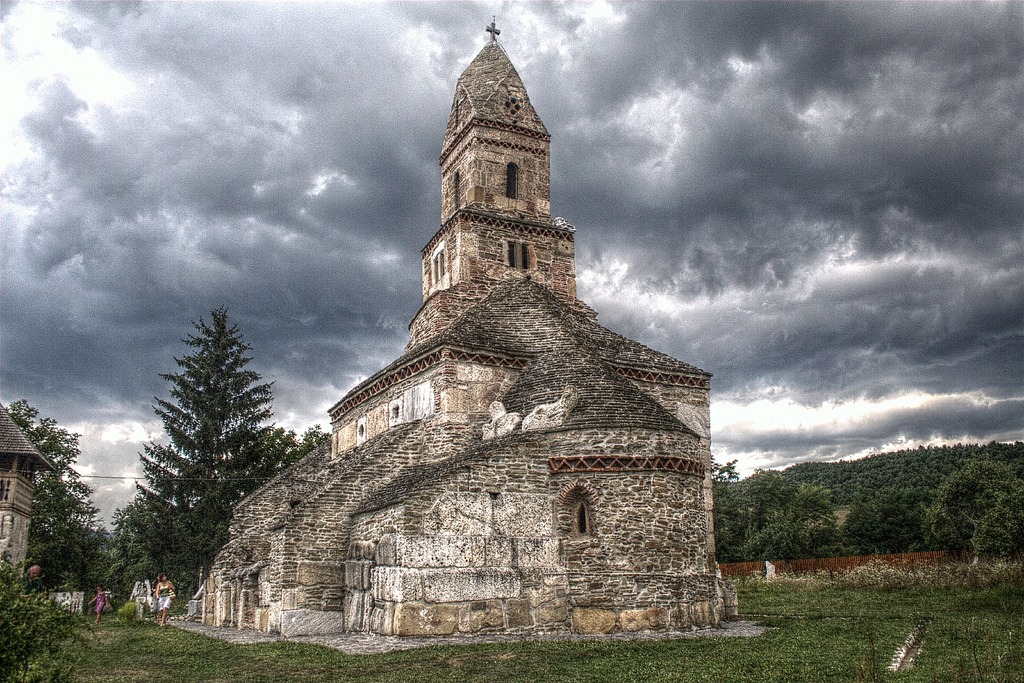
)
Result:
{"points": [[457, 190], [512, 181], [438, 266], [518, 255]]}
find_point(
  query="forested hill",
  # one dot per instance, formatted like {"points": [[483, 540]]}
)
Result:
{"points": [[918, 469]]}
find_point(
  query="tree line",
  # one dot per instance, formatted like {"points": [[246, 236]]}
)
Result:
{"points": [[962, 498], [220, 446]]}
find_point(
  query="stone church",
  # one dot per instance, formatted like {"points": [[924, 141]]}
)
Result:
{"points": [[520, 468]]}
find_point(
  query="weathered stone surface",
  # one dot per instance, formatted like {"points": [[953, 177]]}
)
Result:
{"points": [[501, 422], [701, 614], [357, 574], [458, 585], [517, 613], [305, 622], [523, 515], [397, 584], [418, 619], [491, 616], [314, 573], [460, 514], [537, 552], [554, 612], [552, 415], [427, 551], [593, 620], [650, 619]]}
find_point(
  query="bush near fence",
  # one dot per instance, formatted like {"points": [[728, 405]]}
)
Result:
{"points": [[836, 564]]}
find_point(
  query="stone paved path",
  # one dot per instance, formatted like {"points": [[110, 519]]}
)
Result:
{"points": [[365, 644]]}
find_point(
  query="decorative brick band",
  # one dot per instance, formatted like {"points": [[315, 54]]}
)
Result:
{"points": [[487, 123], [509, 145], [483, 359], [471, 217], [419, 365], [620, 463], [664, 377]]}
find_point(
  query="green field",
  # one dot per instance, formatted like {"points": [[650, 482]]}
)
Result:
{"points": [[821, 632]]}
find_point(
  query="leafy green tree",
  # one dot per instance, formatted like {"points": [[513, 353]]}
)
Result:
{"points": [[220, 449], [65, 537], [981, 509], [800, 526], [766, 517], [33, 629], [888, 521]]}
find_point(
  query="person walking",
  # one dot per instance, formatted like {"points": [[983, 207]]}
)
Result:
{"points": [[164, 593], [101, 601]]}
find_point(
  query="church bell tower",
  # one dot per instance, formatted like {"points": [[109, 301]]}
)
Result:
{"points": [[495, 199]]}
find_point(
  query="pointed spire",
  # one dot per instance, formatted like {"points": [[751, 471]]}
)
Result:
{"points": [[490, 89]]}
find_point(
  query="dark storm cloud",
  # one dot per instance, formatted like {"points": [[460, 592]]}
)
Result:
{"points": [[820, 201]]}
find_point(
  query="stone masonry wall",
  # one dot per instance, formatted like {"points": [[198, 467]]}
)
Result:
{"points": [[477, 261]]}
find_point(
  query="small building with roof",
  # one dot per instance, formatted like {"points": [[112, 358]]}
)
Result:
{"points": [[520, 468], [19, 462]]}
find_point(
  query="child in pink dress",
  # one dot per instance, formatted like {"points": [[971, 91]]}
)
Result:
{"points": [[101, 601]]}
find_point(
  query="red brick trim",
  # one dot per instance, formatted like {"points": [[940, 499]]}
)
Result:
{"points": [[509, 145], [664, 377], [471, 217], [485, 359], [620, 463], [577, 490], [487, 123]]}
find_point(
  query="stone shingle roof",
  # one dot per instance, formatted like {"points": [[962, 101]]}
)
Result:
{"points": [[13, 441], [415, 477], [523, 319]]}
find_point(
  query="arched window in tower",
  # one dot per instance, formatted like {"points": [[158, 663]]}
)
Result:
{"points": [[581, 519], [512, 181], [457, 190]]}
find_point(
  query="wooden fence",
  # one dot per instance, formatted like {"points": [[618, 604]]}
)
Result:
{"points": [[835, 564]]}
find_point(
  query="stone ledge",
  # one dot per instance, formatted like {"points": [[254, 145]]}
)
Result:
{"points": [[306, 622]]}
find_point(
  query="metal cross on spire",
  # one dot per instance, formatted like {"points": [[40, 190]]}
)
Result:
{"points": [[494, 31]]}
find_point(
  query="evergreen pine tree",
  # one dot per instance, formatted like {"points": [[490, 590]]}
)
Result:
{"points": [[220, 450]]}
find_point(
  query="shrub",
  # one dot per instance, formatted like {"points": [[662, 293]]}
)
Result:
{"points": [[882, 576], [126, 613], [34, 629]]}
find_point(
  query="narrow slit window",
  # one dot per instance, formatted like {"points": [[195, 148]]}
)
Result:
{"points": [[581, 521], [457, 190], [439, 266], [512, 181]]}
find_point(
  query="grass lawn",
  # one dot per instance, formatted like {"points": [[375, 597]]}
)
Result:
{"points": [[820, 634]]}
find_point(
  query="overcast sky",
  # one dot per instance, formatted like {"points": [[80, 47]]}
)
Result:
{"points": [[820, 204]]}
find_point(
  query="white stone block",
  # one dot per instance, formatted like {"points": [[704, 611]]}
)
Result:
{"points": [[523, 514], [307, 622], [396, 584], [459, 585], [433, 551], [459, 514], [537, 552]]}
